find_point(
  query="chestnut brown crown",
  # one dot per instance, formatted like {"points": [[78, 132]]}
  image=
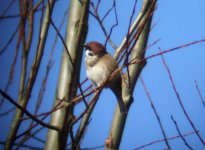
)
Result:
{"points": [[96, 47]]}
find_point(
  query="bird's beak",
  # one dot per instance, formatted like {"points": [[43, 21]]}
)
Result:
{"points": [[84, 45]]}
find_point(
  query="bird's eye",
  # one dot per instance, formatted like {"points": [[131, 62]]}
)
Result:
{"points": [[89, 53]]}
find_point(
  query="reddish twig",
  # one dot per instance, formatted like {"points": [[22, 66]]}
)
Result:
{"points": [[97, 17], [85, 90], [58, 106], [179, 99], [135, 60], [162, 140], [12, 70], [108, 12], [134, 36], [116, 19], [84, 112], [199, 93], [152, 44], [185, 142], [155, 112], [27, 112]]}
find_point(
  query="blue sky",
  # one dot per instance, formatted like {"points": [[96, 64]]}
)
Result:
{"points": [[177, 22]]}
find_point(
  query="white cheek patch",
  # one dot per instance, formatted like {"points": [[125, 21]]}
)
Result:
{"points": [[86, 53]]}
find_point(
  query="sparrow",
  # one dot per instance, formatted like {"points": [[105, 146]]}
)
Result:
{"points": [[99, 66]]}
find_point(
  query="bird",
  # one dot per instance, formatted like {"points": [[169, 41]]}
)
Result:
{"points": [[99, 66]]}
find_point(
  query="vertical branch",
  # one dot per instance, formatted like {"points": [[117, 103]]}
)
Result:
{"points": [[69, 72], [23, 12], [119, 119], [27, 89], [44, 83]]}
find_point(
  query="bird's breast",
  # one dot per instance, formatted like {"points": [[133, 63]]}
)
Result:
{"points": [[97, 73]]}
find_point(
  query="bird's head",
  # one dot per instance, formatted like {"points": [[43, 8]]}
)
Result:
{"points": [[94, 49]]}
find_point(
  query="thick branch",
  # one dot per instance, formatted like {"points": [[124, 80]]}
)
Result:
{"points": [[134, 71], [69, 72]]}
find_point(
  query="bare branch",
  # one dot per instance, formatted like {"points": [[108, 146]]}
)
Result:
{"points": [[58, 106], [24, 146], [185, 142], [162, 140], [97, 17], [26, 112], [200, 95], [180, 101], [155, 112], [7, 112], [2, 50], [135, 60]]}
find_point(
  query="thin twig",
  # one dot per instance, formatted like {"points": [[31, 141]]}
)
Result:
{"points": [[114, 25], [24, 146], [12, 70], [26, 111], [185, 142], [199, 93], [126, 43], [135, 60], [155, 112], [7, 112], [97, 17], [162, 140], [179, 99], [2, 50], [58, 106], [133, 28], [7, 8]]}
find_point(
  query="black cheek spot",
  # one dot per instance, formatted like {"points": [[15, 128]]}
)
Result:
{"points": [[90, 54]]}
